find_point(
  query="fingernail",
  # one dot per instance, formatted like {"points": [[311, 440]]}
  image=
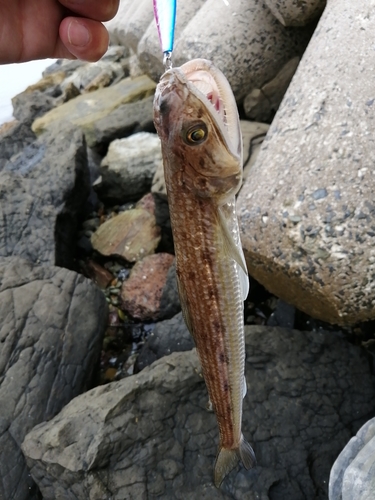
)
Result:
{"points": [[78, 34]]}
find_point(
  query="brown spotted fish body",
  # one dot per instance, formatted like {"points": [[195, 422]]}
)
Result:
{"points": [[196, 118]]}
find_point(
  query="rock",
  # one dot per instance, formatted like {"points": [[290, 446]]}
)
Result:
{"points": [[147, 202], [283, 315], [123, 121], [142, 291], [150, 435], [253, 134], [243, 39], [294, 12], [98, 274], [129, 167], [93, 76], [352, 475], [39, 205], [130, 23], [262, 104], [131, 235], [170, 335], [13, 139], [52, 322], [170, 301], [307, 208], [85, 110], [148, 49]]}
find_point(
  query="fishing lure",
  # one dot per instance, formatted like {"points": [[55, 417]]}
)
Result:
{"points": [[165, 17]]}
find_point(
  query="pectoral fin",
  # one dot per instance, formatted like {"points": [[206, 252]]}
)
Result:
{"points": [[235, 252]]}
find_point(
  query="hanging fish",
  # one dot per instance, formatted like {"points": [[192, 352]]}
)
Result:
{"points": [[196, 117], [165, 17]]}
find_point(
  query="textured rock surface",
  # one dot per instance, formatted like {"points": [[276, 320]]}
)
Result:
{"points": [[51, 324], [262, 104], [131, 235], [170, 335], [295, 12], [307, 212], [142, 291], [128, 168], [124, 120], [151, 435], [39, 204], [85, 110], [353, 474], [13, 138]]}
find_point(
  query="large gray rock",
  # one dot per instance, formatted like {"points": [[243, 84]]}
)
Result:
{"points": [[85, 110], [128, 168], [14, 136], [353, 474], [150, 435], [123, 121], [43, 189], [52, 321], [295, 12], [307, 212]]}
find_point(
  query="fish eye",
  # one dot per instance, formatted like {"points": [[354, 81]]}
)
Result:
{"points": [[196, 134]]}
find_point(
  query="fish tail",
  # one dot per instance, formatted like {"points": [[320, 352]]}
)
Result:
{"points": [[227, 459]]}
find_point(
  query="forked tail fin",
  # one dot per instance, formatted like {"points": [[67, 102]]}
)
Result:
{"points": [[227, 459]]}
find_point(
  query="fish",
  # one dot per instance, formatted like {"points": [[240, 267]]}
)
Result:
{"points": [[196, 117]]}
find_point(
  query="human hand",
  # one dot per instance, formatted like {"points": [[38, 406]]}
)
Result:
{"points": [[39, 29]]}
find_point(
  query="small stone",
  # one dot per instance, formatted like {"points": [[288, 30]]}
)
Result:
{"points": [[141, 293], [131, 235], [99, 275]]}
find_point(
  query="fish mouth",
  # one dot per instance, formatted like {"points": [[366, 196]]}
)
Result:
{"points": [[210, 85]]}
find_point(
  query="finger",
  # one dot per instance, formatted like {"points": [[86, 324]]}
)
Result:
{"points": [[84, 38], [99, 10]]}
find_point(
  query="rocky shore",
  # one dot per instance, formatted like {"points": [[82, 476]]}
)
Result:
{"points": [[101, 394]]}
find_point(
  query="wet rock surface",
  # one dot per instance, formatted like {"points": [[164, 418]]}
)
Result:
{"points": [[52, 322], [298, 413]]}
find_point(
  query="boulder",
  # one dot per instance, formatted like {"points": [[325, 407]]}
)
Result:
{"points": [[52, 322], [128, 168], [353, 474], [85, 110], [126, 119], [141, 293], [132, 235], [13, 138], [295, 12], [170, 335], [43, 190], [262, 104], [150, 434], [307, 213]]}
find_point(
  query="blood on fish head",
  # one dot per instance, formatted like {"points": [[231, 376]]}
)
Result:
{"points": [[196, 118]]}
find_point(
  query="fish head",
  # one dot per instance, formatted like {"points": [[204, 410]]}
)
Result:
{"points": [[196, 117]]}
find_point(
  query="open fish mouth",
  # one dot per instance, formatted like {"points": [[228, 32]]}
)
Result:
{"points": [[210, 85]]}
